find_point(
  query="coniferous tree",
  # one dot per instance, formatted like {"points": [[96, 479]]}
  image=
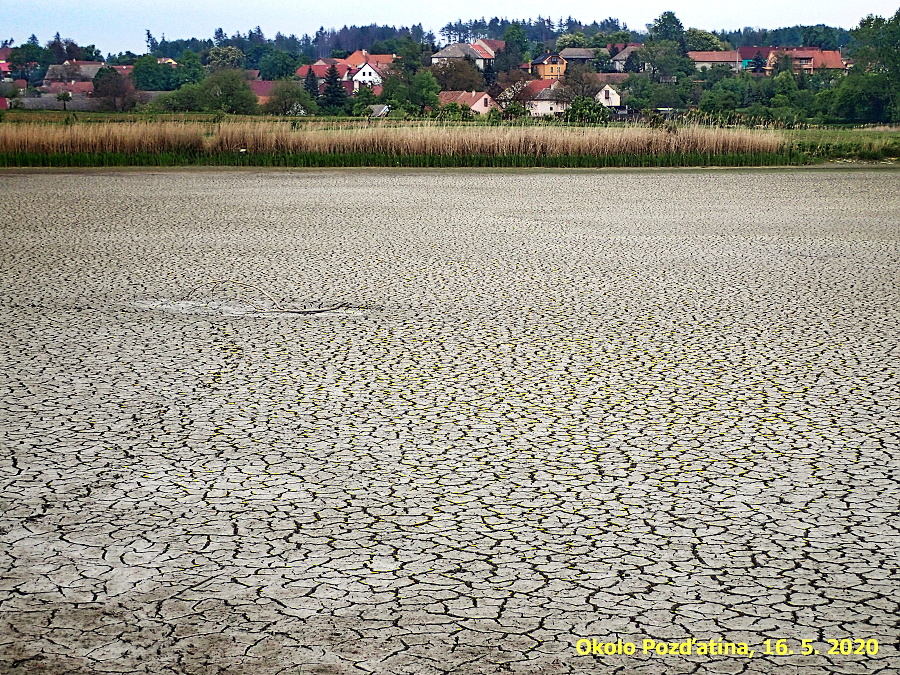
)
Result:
{"points": [[311, 83], [334, 96]]}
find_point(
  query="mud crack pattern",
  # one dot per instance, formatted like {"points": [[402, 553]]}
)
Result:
{"points": [[579, 405]]}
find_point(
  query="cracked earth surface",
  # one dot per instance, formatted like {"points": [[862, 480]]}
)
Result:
{"points": [[565, 405]]}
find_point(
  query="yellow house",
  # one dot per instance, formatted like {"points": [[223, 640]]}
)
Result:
{"points": [[549, 66]]}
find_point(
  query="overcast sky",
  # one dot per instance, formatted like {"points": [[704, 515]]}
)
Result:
{"points": [[118, 25]]}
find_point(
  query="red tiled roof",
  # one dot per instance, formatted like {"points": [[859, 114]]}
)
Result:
{"points": [[714, 57], [469, 98], [482, 52], [495, 45], [72, 88], [361, 56], [533, 87], [321, 70], [4, 67], [262, 88], [123, 70], [749, 53]]}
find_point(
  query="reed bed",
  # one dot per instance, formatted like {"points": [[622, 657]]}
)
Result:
{"points": [[281, 143]]}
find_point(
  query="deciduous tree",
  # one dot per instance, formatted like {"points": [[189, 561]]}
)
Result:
{"points": [[458, 75], [277, 66]]}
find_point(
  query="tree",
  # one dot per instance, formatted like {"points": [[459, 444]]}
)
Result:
{"points": [[409, 59], [228, 91], [65, 97], [334, 96], [515, 37], [571, 40], [758, 63], [311, 83], [667, 27], [633, 62], [702, 41], [116, 90], [458, 75], [581, 80], [277, 66], [585, 110], [362, 99], [290, 98], [189, 69], [878, 52], [30, 61], [663, 59], [508, 59], [149, 75], [225, 58]]}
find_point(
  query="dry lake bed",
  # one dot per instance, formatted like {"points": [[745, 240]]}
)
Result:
{"points": [[630, 422]]}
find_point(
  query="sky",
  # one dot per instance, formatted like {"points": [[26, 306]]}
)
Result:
{"points": [[119, 25]]}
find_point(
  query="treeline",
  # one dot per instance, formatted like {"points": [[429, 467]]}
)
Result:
{"points": [[820, 35]]}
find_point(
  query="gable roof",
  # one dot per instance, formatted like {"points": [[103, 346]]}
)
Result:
{"points": [[263, 88], [469, 98], [547, 57], [749, 53], [714, 57], [72, 88], [361, 56], [577, 53], [551, 94], [534, 86], [321, 70], [492, 46], [73, 70], [459, 50], [625, 51]]}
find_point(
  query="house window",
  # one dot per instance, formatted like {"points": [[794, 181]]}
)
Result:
{"points": [[485, 102], [606, 94]]}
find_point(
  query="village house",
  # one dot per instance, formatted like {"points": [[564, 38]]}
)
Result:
{"points": [[479, 101], [481, 52], [370, 74], [806, 60], [621, 56], [320, 70], [609, 97], [361, 57], [73, 71], [549, 66], [581, 55], [803, 59], [706, 60], [543, 97]]}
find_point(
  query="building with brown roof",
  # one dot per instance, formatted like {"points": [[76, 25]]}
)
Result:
{"points": [[706, 60]]}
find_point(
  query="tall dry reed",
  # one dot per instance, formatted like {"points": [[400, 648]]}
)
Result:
{"points": [[421, 139]]}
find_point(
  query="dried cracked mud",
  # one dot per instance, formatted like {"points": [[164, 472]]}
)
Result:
{"points": [[559, 411]]}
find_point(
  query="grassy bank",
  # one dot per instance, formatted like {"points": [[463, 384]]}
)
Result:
{"points": [[267, 143]]}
